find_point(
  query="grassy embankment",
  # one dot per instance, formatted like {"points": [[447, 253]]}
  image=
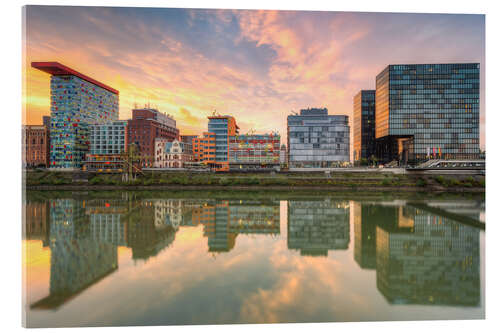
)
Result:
{"points": [[344, 180]]}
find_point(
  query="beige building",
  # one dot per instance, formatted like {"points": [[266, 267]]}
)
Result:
{"points": [[172, 154]]}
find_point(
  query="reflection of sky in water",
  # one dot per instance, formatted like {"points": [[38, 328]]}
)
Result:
{"points": [[166, 275]]}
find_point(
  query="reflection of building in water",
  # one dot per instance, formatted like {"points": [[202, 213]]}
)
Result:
{"points": [[106, 221], [36, 222], [77, 260], [220, 239], [364, 236], [366, 219], [428, 259], [145, 237], [173, 213], [314, 227], [224, 220], [254, 217]]}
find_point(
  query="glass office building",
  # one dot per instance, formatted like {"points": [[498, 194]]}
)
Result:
{"points": [[427, 111], [317, 140], [222, 127], [364, 124], [108, 138], [76, 101], [254, 151]]}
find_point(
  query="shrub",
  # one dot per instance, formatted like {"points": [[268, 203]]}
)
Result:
{"points": [[421, 182], [134, 182], [61, 181], [440, 180], [95, 181], [253, 181], [386, 182], [45, 181]]}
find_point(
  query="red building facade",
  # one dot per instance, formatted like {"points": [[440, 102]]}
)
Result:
{"points": [[145, 126]]}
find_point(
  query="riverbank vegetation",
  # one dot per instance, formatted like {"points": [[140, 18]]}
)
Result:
{"points": [[354, 180]]}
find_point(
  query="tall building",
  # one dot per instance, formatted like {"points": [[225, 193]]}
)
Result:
{"points": [[427, 110], [317, 140], [107, 143], [222, 127], [145, 126], [254, 151], [76, 101], [363, 124], [35, 146], [213, 148]]}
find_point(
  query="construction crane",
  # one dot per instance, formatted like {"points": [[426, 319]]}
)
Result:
{"points": [[130, 157]]}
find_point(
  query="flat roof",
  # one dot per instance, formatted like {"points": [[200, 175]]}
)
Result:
{"points": [[55, 68]]}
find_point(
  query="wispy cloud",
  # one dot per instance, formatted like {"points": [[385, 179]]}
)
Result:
{"points": [[255, 65]]}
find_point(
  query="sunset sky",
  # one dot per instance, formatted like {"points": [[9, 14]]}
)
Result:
{"points": [[255, 65]]}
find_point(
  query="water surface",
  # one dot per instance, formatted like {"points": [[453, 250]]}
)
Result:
{"points": [[158, 258]]}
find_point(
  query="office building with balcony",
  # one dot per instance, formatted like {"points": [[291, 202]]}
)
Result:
{"points": [[107, 144], [76, 101], [317, 139], [145, 127], [363, 124], [427, 111], [254, 151]]}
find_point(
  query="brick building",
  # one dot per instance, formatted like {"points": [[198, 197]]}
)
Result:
{"points": [[36, 146], [147, 125]]}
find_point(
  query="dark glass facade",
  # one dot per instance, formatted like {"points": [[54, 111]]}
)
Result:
{"points": [[364, 124], [427, 111]]}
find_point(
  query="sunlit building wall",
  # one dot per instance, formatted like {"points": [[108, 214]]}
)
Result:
{"points": [[363, 124]]}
